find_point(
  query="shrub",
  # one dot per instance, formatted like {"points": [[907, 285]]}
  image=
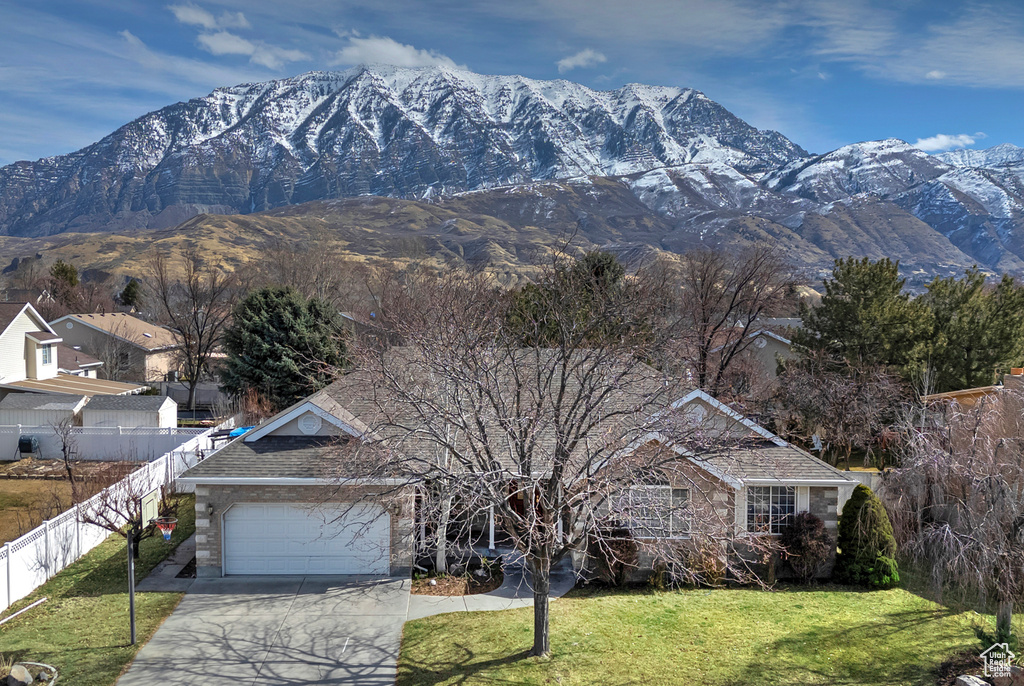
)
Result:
{"points": [[614, 552], [806, 545], [867, 548]]}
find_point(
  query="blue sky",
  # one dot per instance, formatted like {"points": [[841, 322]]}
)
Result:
{"points": [[823, 72]]}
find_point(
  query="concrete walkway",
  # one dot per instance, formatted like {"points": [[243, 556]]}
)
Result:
{"points": [[515, 591], [164, 577]]}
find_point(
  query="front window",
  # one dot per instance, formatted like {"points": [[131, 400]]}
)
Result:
{"points": [[47, 354], [659, 511], [770, 508]]}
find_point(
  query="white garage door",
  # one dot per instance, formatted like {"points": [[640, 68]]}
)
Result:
{"points": [[286, 538]]}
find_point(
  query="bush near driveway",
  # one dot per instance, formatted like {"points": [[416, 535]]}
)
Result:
{"points": [[82, 629], [797, 635]]}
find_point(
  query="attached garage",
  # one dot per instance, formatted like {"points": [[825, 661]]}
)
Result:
{"points": [[296, 538]]}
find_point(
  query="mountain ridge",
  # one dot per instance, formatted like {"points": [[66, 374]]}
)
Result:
{"points": [[683, 169]]}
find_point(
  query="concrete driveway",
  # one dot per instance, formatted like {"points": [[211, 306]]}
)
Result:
{"points": [[278, 630]]}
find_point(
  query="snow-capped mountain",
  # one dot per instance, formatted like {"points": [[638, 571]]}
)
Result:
{"points": [[409, 133], [648, 166]]}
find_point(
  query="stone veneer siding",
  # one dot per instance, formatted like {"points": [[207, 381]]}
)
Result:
{"points": [[209, 533], [824, 504]]}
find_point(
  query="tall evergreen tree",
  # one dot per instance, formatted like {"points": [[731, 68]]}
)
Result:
{"points": [[975, 330], [282, 345], [865, 317]]}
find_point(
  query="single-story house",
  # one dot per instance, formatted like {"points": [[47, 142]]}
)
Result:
{"points": [[257, 497], [41, 409], [132, 348], [131, 411]]}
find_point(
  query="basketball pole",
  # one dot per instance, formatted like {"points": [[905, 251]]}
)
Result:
{"points": [[131, 581]]}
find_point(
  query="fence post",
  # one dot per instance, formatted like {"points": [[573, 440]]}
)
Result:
{"points": [[10, 552], [46, 546]]}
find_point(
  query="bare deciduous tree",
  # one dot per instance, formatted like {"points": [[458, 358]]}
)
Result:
{"points": [[846, 406], [957, 501], [116, 353], [720, 300], [196, 305], [118, 508], [316, 268], [560, 440]]}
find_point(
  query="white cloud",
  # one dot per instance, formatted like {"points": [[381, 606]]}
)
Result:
{"points": [[944, 141], [584, 58], [935, 74], [225, 43], [233, 20], [193, 15], [384, 50]]}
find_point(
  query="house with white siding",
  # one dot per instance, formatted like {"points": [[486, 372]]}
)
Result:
{"points": [[30, 360]]}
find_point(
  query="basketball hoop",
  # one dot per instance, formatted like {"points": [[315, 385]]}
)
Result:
{"points": [[166, 526]]}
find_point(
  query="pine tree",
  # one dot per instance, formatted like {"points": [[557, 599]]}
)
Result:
{"points": [[131, 296], [865, 317], [282, 345], [976, 330]]}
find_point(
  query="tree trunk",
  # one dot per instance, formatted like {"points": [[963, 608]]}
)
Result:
{"points": [[540, 577], [192, 383], [441, 560], [1004, 613]]}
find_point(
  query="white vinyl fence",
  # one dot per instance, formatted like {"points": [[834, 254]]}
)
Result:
{"points": [[30, 561], [107, 443]]}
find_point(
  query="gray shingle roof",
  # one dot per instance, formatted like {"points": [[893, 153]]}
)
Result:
{"points": [[769, 461], [40, 401], [280, 457], [127, 403]]}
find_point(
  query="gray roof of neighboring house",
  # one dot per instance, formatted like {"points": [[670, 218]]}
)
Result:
{"points": [[40, 401], [127, 403], [271, 457]]}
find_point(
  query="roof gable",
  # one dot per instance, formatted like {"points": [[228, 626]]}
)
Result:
{"points": [[10, 312]]}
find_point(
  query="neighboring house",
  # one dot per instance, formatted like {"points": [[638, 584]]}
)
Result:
{"points": [[130, 348], [29, 358], [129, 411], [763, 353], [40, 409], [255, 496], [76, 363]]}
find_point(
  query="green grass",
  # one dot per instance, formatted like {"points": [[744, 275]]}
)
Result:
{"points": [[83, 628], [825, 635]]}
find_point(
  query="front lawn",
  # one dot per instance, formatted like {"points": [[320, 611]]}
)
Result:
{"points": [[825, 635], [83, 628]]}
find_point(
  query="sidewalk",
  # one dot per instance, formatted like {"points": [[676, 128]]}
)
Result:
{"points": [[163, 577], [515, 591]]}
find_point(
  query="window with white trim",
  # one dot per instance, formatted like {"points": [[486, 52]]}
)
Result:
{"points": [[659, 511], [47, 353], [770, 508]]}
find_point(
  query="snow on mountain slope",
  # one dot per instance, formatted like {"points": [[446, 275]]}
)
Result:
{"points": [[875, 167], [999, 155]]}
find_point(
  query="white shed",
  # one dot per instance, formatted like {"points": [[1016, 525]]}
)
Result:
{"points": [[130, 411], [39, 409]]}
